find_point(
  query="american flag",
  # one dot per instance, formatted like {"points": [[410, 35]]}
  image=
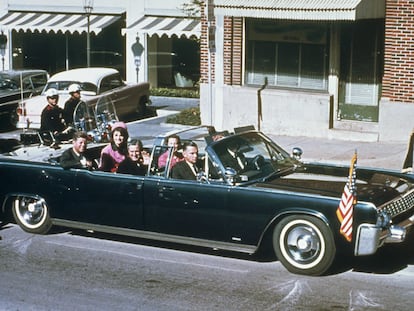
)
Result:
{"points": [[348, 200]]}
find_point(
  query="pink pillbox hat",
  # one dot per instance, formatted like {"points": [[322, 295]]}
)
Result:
{"points": [[118, 124]]}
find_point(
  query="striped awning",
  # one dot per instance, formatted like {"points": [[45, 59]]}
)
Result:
{"points": [[318, 10], [169, 26], [50, 22]]}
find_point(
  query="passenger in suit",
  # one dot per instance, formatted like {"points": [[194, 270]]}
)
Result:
{"points": [[74, 157], [188, 168]]}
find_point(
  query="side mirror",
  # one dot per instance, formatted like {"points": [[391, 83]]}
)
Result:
{"points": [[297, 153]]}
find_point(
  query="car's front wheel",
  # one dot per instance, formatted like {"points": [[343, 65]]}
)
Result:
{"points": [[32, 214], [304, 244]]}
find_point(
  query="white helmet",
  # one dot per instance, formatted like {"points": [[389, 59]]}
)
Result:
{"points": [[51, 92], [73, 88]]}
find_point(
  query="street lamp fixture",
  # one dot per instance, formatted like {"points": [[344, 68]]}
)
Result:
{"points": [[3, 46], [88, 7], [137, 49], [137, 61]]}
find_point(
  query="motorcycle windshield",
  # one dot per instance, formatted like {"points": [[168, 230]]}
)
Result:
{"points": [[105, 113], [84, 118]]}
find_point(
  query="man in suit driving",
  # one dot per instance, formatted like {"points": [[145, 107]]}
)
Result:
{"points": [[233, 158]]}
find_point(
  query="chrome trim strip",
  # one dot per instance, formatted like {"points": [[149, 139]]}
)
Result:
{"points": [[250, 249]]}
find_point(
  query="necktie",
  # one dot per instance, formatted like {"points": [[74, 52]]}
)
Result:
{"points": [[194, 168], [239, 160]]}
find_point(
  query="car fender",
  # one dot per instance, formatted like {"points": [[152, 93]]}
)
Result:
{"points": [[268, 230], [10, 196]]}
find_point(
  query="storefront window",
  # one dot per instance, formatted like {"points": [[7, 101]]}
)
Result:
{"points": [[361, 70], [290, 55]]}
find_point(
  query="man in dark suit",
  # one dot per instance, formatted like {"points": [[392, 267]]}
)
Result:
{"points": [[231, 157], [188, 168], [74, 157]]}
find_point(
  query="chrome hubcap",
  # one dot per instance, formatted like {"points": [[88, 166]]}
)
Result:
{"points": [[30, 211], [303, 244]]}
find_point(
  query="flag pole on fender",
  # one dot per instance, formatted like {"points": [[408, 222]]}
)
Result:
{"points": [[348, 200]]}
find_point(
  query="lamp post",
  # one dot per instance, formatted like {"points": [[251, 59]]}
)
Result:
{"points": [[3, 46], [88, 7], [137, 49], [137, 61]]}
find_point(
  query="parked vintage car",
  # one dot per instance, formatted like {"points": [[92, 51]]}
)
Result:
{"points": [[96, 82], [275, 201], [16, 85]]}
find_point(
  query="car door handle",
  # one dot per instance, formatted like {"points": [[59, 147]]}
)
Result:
{"points": [[166, 188], [165, 192]]}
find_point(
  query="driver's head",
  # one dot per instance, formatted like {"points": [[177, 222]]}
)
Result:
{"points": [[233, 146]]}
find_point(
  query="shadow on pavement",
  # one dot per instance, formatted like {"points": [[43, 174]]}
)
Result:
{"points": [[389, 259]]}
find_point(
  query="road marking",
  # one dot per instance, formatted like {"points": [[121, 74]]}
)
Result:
{"points": [[297, 289], [156, 259], [22, 245], [358, 299]]}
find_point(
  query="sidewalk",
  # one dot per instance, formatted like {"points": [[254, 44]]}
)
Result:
{"points": [[388, 155]]}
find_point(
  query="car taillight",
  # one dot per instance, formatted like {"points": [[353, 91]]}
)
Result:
{"points": [[21, 111]]}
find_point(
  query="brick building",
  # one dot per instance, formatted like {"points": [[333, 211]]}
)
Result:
{"points": [[337, 69]]}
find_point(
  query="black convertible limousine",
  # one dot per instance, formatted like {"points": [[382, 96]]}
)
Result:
{"points": [[275, 201]]}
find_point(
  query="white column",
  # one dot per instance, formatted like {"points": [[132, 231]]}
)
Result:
{"points": [[218, 100], [334, 63]]}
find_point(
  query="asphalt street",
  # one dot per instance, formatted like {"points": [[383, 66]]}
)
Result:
{"points": [[77, 270]]}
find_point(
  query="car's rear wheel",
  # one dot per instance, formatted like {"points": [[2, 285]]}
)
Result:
{"points": [[304, 244], [32, 214]]}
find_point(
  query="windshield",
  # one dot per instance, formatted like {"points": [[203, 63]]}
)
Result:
{"points": [[6, 83], [252, 156]]}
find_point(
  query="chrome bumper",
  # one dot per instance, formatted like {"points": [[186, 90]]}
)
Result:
{"points": [[370, 237]]}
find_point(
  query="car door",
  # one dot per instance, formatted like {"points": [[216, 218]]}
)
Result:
{"points": [[186, 208], [107, 199]]}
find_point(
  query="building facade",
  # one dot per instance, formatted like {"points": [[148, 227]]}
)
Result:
{"points": [[146, 40], [337, 69]]}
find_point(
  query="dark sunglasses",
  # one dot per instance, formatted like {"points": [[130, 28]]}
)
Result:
{"points": [[54, 97]]}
